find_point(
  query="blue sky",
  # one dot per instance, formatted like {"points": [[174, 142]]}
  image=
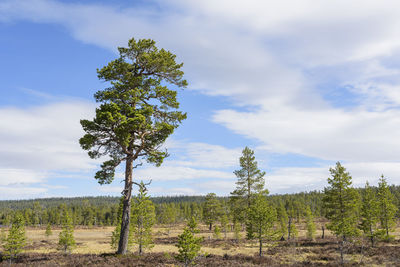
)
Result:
{"points": [[304, 84]]}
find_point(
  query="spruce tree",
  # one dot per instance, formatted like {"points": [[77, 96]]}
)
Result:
{"points": [[341, 203], [138, 112], [261, 219], [310, 225], [387, 209], [66, 240], [16, 239], [143, 219], [188, 246]]}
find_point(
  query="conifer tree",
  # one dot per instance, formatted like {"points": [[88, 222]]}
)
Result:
{"points": [[188, 246], [224, 223], [341, 203], [117, 231], [369, 214], [16, 239], [48, 231], [311, 229], [261, 219], [66, 240], [387, 208], [138, 112], [283, 221], [249, 184], [291, 213], [212, 209], [143, 219], [217, 232]]}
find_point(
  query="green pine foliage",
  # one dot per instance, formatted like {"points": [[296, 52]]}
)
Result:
{"points": [[342, 204], [261, 219], [48, 231], [370, 214], [310, 225], [283, 220], [66, 240], [16, 239], [217, 232], [137, 113], [387, 209], [188, 246], [143, 218], [212, 209]]}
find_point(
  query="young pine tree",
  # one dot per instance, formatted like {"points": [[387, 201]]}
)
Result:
{"points": [[212, 209], [369, 214], [341, 203], [249, 184], [66, 240], [311, 229], [261, 218], [117, 231], [282, 220], [16, 239], [188, 246], [48, 231], [387, 209], [143, 219]]}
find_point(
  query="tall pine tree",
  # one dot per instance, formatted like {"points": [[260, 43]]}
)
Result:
{"points": [[341, 203], [386, 207], [369, 214]]}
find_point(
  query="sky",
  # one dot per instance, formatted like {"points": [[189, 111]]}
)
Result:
{"points": [[303, 83]]}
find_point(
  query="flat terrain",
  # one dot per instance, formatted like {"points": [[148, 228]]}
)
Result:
{"points": [[93, 249]]}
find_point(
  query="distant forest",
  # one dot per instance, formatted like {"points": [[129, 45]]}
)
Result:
{"points": [[103, 210]]}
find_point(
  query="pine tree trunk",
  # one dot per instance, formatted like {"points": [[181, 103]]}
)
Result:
{"points": [[210, 227], [323, 232], [126, 209], [260, 253], [341, 252], [289, 227]]}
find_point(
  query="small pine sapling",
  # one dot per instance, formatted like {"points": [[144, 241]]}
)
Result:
{"points": [[217, 232], [66, 240], [311, 229], [48, 231], [16, 239], [188, 246]]}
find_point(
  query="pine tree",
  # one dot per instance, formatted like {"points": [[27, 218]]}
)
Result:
{"points": [[138, 112], [188, 246], [291, 213], [311, 229], [341, 203], [369, 214], [117, 231], [236, 231], [143, 218], [387, 209], [250, 183], [212, 209], [217, 232], [261, 218], [283, 221], [66, 240], [16, 239], [48, 231], [224, 223]]}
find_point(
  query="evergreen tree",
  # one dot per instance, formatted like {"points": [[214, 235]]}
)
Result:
{"points": [[188, 246], [291, 213], [341, 203], [387, 208], [283, 220], [311, 229], [143, 219], [16, 239], [137, 114], [117, 231], [236, 231], [212, 209], [369, 214], [250, 183], [217, 232], [48, 231], [224, 223], [261, 218], [66, 240]]}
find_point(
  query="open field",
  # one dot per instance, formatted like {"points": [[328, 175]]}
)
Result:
{"points": [[93, 249]]}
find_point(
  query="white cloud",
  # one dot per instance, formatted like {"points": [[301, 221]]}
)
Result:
{"points": [[271, 56], [8, 192]]}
